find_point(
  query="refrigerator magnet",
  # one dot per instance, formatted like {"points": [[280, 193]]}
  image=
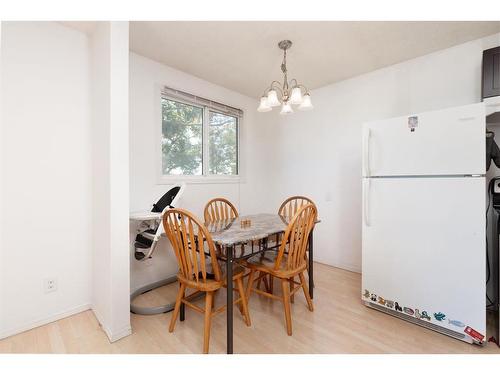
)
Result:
{"points": [[439, 316], [473, 333], [408, 310]]}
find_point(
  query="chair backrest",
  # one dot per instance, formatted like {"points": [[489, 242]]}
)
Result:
{"points": [[219, 209], [192, 243], [296, 238], [291, 205]]}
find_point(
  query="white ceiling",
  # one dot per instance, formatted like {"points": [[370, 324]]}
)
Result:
{"points": [[86, 27], [243, 56]]}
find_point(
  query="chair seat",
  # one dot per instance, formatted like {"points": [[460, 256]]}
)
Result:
{"points": [[266, 259], [211, 283], [265, 262]]}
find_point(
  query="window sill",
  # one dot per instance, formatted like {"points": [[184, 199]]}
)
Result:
{"points": [[170, 180]]}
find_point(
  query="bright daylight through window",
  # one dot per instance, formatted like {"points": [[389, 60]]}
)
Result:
{"points": [[198, 140]]}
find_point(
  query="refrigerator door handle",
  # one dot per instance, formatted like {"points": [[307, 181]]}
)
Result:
{"points": [[366, 149], [366, 202]]}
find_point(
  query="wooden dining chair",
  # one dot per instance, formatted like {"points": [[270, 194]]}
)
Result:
{"points": [[291, 205], [193, 247], [286, 263], [219, 209], [287, 210]]}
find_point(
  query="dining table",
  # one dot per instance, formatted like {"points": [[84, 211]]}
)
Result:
{"points": [[241, 238]]}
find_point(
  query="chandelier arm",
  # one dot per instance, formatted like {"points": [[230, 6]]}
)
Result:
{"points": [[271, 87], [277, 85], [302, 86]]}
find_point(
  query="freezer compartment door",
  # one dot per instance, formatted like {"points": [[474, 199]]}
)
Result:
{"points": [[444, 142], [424, 248]]}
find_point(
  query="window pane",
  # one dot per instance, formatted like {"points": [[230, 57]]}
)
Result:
{"points": [[223, 145], [181, 138]]}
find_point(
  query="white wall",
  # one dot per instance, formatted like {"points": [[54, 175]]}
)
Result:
{"points": [[110, 162], [64, 170], [320, 151], [46, 172], [101, 257], [256, 147], [2, 259]]}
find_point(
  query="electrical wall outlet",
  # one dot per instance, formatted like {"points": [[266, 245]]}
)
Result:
{"points": [[50, 285]]}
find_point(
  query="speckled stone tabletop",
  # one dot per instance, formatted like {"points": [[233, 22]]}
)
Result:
{"points": [[228, 233]]}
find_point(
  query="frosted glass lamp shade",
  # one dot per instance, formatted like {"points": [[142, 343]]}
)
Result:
{"points": [[306, 104], [296, 97], [272, 98], [264, 106], [286, 109]]}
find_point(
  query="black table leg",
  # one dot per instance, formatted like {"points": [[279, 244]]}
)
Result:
{"points": [[311, 265], [229, 272], [183, 310]]}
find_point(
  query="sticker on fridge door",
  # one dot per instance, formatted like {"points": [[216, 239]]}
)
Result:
{"points": [[473, 333], [456, 323], [408, 310], [425, 315], [412, 122], [439, 316]]}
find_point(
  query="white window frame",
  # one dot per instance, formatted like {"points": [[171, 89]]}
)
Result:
{"points": [[205, 178]]}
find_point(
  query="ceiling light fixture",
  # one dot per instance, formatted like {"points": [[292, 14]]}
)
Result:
{"points": [[286, 93]]}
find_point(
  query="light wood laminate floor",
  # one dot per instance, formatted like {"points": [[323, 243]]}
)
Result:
{"points": [[339, 324]]}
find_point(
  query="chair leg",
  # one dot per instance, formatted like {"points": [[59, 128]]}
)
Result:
{"points": [[292, 285], [258, 283], [177, 307], [243, 303], [306, 291], [250, 284], [266, 282], [286, 304], [208, 316], [271, 284]]}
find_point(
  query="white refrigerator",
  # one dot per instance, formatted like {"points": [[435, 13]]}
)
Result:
{"points": [[424, 218]]}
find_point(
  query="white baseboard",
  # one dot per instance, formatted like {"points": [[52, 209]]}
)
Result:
{"points": [[49, 319], [348, 267], [112, 336], [344, 266], [119, 334]]}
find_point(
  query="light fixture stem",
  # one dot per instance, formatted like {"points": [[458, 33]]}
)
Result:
{"points": [[285, 71]]}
